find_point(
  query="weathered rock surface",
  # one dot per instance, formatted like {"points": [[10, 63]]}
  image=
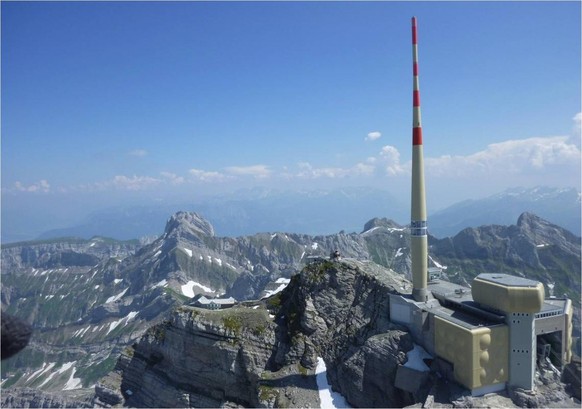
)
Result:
{"points": [[549, 391], [33, 398], [197, 358], [67, 252], [336, 311], [571, 377]]}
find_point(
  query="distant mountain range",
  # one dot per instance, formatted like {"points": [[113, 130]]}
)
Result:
{"points": [[560, 206], [250, 211], [325, 212]]}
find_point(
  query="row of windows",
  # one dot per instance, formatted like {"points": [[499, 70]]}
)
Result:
{"points": [[548, 314], [520, 314]]}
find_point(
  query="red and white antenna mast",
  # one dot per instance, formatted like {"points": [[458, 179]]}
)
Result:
{"points": [[418, 228]]}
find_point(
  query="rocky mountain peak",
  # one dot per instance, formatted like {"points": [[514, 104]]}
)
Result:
{"points": [[541, 232], [380, 222], [188, 224], [530, 219]]}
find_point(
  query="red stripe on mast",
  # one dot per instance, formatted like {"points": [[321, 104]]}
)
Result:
{"points": [[413, 30], [416, 126], [415, 98], [416, 136]]}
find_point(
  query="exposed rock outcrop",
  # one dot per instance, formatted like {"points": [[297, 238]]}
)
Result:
{"points": [[197, 358], [337, 311], [571, 377], [67, 252], [33, 398]]}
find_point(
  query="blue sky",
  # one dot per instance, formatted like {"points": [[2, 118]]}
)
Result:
{"points": [[107, 103]]}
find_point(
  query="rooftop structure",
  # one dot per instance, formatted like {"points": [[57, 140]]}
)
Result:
{"points": [[212, 303]]}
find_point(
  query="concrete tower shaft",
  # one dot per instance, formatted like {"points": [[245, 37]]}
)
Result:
{"points": [[418, 229]]}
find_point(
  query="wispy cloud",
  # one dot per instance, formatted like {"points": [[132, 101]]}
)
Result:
{"points": [[372, 136], [307, 171], [138, 152], [40, 186], [207, 176], [550, 160], [257, 171], [172, 178], [134, 182]]}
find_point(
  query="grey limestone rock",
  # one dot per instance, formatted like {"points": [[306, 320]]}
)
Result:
{"points": [[571, 377], [367, 375], [189, 226], [33, 398], [196, 358], [380, 222]]}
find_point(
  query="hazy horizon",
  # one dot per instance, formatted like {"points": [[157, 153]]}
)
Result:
{"points": [[108, 104]]}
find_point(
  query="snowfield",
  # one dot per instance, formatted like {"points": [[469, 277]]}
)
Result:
{"points": [[188, 288], [415, 359], [328, 398], [283, 283], [116, 297]]}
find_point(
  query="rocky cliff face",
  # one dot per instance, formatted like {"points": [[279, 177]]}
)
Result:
{"points": [[245, 356], [197, 358], [341, 312], [62, 253], [33, 398]]}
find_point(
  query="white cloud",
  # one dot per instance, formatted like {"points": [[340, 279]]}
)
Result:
{"points": [[257, 171], [172, 178], [135, 182], [390, 159], [307, 171], [522, 156], [206, 176], [363, 169], [547, 160], [372, 136], [138, 152], [40, 186]]}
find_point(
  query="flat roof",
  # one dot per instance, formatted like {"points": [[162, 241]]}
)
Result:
{"points": [[554, 304], [507, 280], [204, 300], [448, 290], [461, 318], [461, 298]]}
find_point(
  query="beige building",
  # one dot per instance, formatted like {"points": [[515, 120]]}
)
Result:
{"points": [[491, 334]]}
